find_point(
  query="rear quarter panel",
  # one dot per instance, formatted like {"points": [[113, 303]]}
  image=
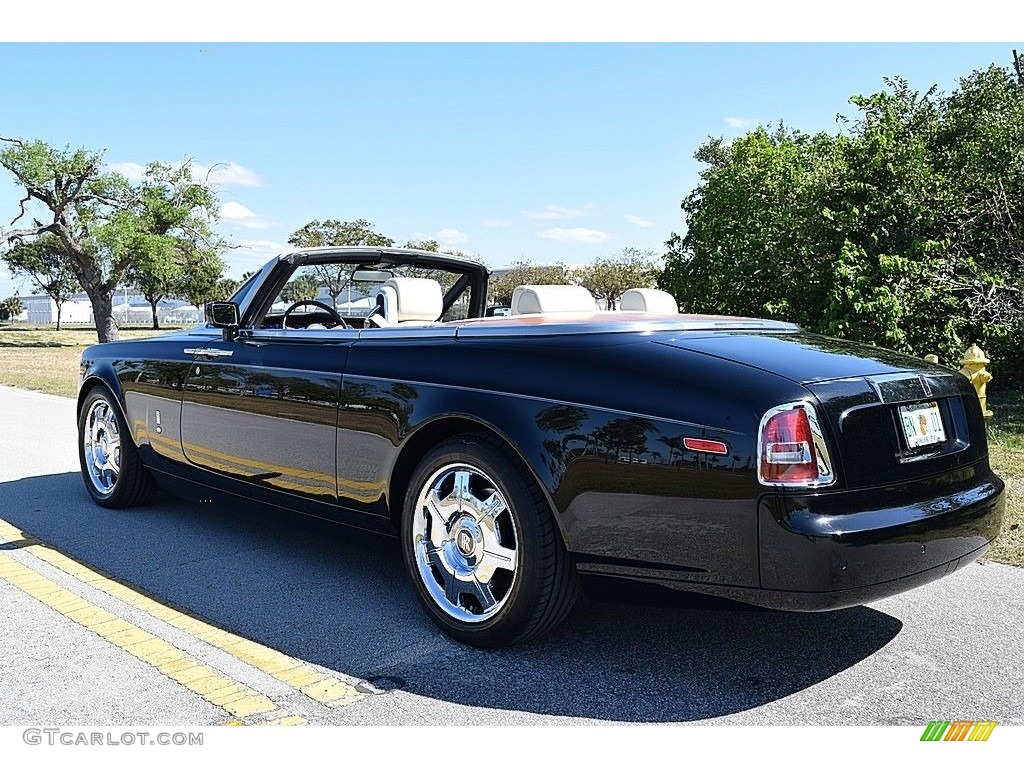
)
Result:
{"points": [[599, 420]]}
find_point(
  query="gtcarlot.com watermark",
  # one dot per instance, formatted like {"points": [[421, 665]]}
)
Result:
{"points": [[77, 737]]}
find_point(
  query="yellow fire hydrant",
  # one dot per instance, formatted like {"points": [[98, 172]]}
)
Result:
{"points": [[974, 363]]}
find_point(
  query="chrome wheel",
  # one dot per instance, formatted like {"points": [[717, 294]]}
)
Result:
{"points": [[465, 542], [101, 446]]}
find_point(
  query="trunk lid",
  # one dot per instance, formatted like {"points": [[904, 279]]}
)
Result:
{"points": [[800, 357], [869, 400], [874, 423]]}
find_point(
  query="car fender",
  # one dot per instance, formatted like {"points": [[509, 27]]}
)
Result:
{"points": [[102, 374]]}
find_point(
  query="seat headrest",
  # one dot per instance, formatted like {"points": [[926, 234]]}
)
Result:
{"points": [[417, 299], [385, 300], [533, 299], [649, 300]]}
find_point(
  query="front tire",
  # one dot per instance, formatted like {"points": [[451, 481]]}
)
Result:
{"points": [[112, 471], [481, 545]]}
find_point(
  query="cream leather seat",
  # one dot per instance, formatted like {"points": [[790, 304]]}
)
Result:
{"points": [[408, 301], [549, 299], [649, 300]]}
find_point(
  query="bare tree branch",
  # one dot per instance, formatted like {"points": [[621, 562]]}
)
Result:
{"points": [[113, 202], [6, 238], [75, 187], [1017, 66], [210, 170], [21, 204]]}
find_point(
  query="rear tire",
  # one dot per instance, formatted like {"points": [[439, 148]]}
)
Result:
{"points": [[481, 545], [112, 471]]}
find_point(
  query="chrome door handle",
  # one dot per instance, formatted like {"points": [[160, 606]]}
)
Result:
{"points": [[209, 352]]}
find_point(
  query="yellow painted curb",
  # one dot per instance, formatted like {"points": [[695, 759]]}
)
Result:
{"points": [[207, 682]]}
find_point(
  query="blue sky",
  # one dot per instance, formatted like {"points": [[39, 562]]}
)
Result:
{"points": [[550, 152]]}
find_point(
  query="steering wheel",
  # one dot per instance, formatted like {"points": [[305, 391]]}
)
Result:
{"points": [[339, 321]]}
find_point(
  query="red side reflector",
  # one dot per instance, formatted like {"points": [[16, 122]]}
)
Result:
{"points": [[787, 449], [705, 446]]}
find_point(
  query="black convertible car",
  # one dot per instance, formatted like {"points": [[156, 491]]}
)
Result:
{"points": [[511, 453]]}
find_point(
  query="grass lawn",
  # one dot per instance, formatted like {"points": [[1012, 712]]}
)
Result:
{"points": [[40, 358], [1006, 452]]}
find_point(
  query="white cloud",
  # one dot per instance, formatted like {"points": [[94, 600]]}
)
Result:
{"points": [[236, 215], [575, 235], [498, 223], [227, 175], [639, 221], [248, 255], [219, 174], [448, 236], [739, 122], [131, 171], [264, 246], [556, 212]]}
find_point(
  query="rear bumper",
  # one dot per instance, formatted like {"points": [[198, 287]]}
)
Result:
{"points": [[833, 550]]}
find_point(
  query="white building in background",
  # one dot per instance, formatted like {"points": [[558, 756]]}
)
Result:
{"points": [[128, 309], [186, 314], [43, 309]]}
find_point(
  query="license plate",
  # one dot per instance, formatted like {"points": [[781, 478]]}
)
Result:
{"points": [[922, 424]]}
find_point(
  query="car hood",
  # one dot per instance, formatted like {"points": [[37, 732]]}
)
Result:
{"points": [[800, 357]]}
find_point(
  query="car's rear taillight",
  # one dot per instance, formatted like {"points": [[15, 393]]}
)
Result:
{"points": [[791, 448]]}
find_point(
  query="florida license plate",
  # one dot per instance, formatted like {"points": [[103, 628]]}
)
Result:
{"points": [[922, 424]]}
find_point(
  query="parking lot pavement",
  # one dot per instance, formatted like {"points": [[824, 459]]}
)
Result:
{"points": [[306, 623], [55, 671]]}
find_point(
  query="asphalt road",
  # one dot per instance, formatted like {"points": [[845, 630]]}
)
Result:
{"points": [[337, 605]]}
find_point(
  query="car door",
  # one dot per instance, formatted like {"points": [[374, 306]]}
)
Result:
{"points": [[262, 409]]}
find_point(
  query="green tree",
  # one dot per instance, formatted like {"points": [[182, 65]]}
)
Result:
{"points": [[155, 284], [301, 288], [502, 283], [608, 278], [167, 229], [330, 233], [10, 308], [424, 245], [199, 279], [754, 227], [226, 287], [75, 200], [111, 232], [981, 147], [903, 229], [43, 262]]}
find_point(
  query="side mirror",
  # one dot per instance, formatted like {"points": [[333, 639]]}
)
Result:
{"points": [[223, 314]]}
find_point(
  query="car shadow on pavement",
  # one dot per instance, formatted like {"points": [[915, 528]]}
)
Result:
{"points": [[340, 598]]}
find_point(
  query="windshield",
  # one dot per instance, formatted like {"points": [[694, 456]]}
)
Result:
{"points": [[344, 294], [242, 293]]}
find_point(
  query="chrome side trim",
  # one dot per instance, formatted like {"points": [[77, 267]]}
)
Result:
{"points": [[323, 336]]}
